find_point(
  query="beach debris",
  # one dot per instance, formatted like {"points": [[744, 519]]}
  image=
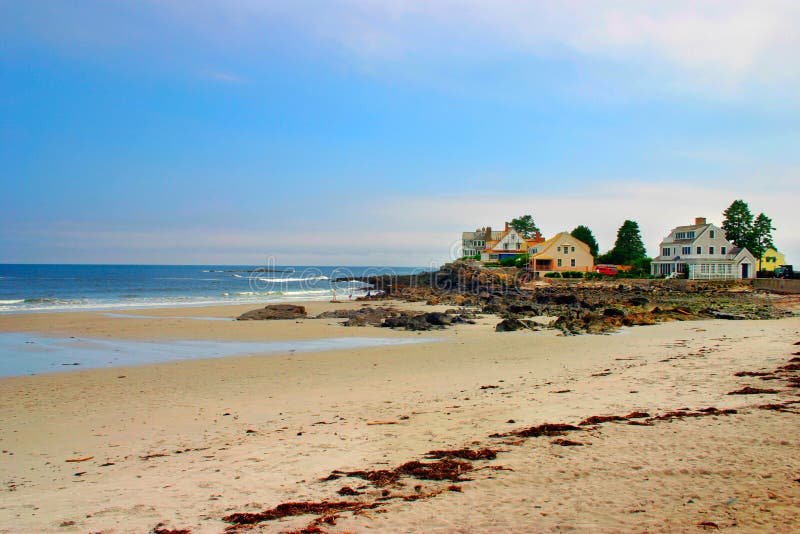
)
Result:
{"points": [[598, 419], [289, 509], [563, 391], [161, 528], [708, 525], [545, 429], [752, 373], [680, 414], [489, 387], [747, 390], [274, 311], [567, 442], [382, 422], [154, 455], [465, 454], [83, 459], [347, 490]]}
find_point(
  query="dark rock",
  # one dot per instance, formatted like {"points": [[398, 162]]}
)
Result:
{"points": [[613, 312], [510, 325], [274, 311]]}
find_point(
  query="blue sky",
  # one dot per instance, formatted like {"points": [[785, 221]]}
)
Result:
{"points": [[367, 132]]}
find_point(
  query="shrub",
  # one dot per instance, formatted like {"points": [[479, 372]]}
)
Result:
{"points": [[508, 262], [521, 261], [572, 274], [552, 275]]}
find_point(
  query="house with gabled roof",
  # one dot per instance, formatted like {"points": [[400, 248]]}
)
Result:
{"points": [[509, 244], [700, 252], [473, 243], [562, 252]]}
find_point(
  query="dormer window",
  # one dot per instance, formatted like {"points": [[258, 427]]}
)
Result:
{"points": [[690, 235]]}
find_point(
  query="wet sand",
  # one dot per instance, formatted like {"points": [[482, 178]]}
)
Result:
{"points": [[187, 443]]}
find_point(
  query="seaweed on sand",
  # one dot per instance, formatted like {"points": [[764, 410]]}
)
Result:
{"points": [[465, 454]]}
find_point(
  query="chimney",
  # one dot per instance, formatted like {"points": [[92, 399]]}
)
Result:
{"points": [[537, 236], [700, 220], [488, 236], [506, 227]]}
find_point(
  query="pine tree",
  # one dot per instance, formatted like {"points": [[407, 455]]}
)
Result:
{"points": [[525, 226], [583, 233], [738, 223], [628, 246], [760, 236]]}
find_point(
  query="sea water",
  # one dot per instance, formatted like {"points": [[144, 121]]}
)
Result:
{"points": [[42, 288]]}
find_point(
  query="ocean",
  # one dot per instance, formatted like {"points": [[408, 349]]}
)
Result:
{"points": [[43, 288]]}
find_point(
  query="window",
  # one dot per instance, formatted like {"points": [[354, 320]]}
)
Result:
{"points": [[711, 250], [699, 250], [559, 249], [689, 235], [573, 250], [770, 259], [686, 250], [665, 251], [680, 235], [572, 262], [566, 249], [723, 250], [711, 233], [559, 262]]}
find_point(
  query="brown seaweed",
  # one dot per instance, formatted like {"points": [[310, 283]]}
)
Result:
{"points": [[747, 390]]}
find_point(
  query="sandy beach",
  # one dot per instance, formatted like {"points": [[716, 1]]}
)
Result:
{"points": [[188, 443]]}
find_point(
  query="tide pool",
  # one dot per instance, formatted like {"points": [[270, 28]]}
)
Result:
{"points": [[26, 354]]}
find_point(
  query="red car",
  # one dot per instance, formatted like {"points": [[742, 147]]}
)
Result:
{"points": [[608, 270]]}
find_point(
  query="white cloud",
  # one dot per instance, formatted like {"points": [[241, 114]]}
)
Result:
{"points": [[708, 44]]}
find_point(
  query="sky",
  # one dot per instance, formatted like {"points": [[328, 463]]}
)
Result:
{"points": [[366, 132]]}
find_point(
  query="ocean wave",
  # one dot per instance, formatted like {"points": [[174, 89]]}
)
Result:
{"points": [[13, 301], [293, 279]]}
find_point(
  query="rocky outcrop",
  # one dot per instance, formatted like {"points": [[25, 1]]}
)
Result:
{"points": [[274, 311], [366, 316]]}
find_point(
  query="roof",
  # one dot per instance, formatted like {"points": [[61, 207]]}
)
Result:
{"points": [[550, 242], [690, 227]]}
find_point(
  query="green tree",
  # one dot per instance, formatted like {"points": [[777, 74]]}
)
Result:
{"points": [[743, 231], [525, 226], [760, 238], [738, 223], [584, 234], [628, 246]]}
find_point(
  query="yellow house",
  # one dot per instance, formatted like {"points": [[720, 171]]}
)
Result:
{"points": [[771, 259], [562, 252]]}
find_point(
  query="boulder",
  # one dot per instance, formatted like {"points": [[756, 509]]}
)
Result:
{"points": [[274, 311], [510, 325]]}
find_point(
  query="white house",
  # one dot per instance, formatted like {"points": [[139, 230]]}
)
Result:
{"points": [[473, 243], [701, 251], [510, 244]]}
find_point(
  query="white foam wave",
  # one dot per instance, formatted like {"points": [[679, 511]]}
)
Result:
{"points": [[15, 301], [293, 279]]}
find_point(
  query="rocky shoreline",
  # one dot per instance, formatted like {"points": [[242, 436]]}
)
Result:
{"points": [[574, 307]]}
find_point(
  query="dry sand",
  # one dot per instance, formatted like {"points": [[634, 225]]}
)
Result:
{"points": [[187, 443]]}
